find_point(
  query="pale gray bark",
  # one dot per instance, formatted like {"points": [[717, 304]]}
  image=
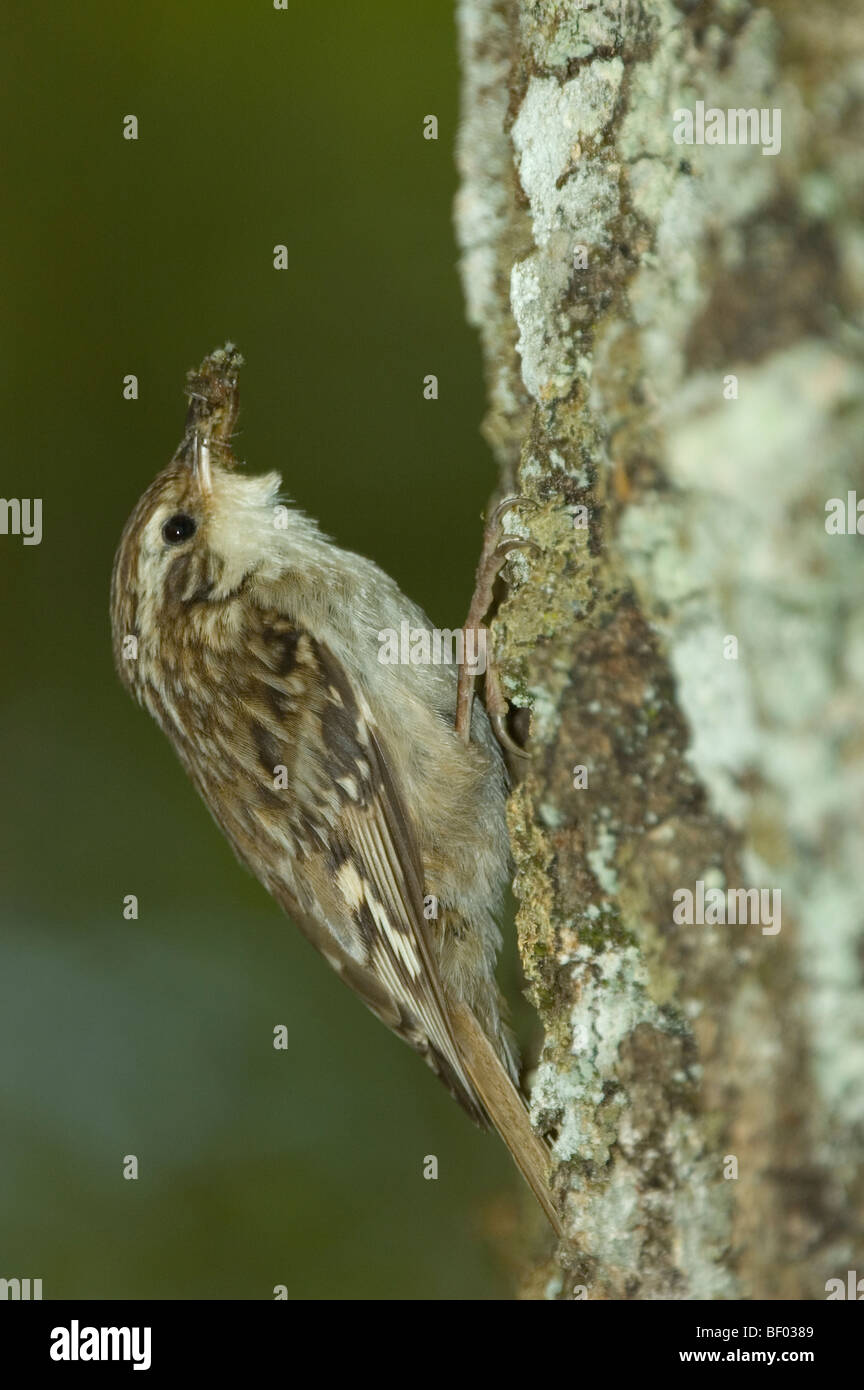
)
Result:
{"points": [[671, 1048]]}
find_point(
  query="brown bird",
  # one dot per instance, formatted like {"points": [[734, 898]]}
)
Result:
{"points": [[338, 777]]}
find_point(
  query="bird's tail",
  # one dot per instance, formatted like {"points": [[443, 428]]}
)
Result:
{"points": [[505, 1107]]}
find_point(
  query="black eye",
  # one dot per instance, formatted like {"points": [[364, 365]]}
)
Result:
{"points": [[178, 528]]}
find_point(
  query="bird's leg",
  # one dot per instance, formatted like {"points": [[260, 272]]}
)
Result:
{"points": [[492, 556]]}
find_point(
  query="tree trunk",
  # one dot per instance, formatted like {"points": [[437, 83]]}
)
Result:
{"points": [[675, 380]]}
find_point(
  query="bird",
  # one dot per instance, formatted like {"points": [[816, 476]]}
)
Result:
{"points": [[340, 779]]}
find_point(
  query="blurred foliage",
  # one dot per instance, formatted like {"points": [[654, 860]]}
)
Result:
{"points": [[154, 1037]]}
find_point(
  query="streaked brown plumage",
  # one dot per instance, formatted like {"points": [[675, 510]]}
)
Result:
{"points": [[338, 780]]}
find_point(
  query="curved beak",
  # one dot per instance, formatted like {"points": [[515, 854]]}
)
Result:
{"points": [[201, 462], [214, 401]]}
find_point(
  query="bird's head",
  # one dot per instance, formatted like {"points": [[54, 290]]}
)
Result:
{"points": [[199, 533]]}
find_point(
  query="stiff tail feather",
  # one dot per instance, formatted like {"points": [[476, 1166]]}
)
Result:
{"points": [[505, 1107]]}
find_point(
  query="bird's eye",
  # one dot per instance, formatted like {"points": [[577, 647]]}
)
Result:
{"points": [[178, 528]]}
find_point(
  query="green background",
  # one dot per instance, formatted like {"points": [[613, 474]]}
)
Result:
{"points": [[154, 1037]]}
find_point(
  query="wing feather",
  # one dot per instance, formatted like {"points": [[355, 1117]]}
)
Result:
{"points": [[356, 884]]}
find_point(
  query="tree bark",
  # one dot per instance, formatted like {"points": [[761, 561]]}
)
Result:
{"points": [[674, 378]]}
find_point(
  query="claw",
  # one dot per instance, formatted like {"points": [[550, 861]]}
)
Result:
{"points": [[508, 504], [503, 737], [516, 543], [493, 553]]}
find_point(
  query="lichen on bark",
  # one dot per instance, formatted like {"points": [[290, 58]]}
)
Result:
{"points": [[620, 281]]}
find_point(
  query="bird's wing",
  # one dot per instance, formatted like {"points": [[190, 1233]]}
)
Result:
{"points": [[355, 881]]}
